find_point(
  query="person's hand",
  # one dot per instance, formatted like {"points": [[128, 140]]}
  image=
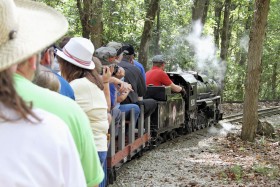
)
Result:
{"points": [[121, 73], [106, 74], [128, 87], [183, 92], [124, 87]]}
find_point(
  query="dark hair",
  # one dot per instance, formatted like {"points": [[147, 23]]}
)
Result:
{"points": [[64, 41], [71, 72], [10, 99], [127, 49]]}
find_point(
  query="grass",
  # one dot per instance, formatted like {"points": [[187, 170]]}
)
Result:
{"points": [[271, 172], [234, 173], [237, 171]]}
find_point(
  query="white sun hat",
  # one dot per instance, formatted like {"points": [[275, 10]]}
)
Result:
{"points": [[78, 51], [26, 28]]}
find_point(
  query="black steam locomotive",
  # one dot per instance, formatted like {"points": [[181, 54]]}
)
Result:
{"points": [[173, 116], [176, 115]]}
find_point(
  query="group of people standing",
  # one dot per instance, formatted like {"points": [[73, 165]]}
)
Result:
{"points": [[56, 102]]}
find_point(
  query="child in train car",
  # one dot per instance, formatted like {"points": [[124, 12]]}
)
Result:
{"points": [[47, 79]]}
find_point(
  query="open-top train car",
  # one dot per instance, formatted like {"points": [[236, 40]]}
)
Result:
{"points": [[174, 115]]}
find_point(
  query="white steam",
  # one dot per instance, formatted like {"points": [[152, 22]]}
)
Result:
{"points": [[197, 52], [244, 43], [226, 128], [205, 53]]}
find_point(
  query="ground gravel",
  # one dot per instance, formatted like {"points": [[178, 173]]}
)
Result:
{"points": [[209, 157]]}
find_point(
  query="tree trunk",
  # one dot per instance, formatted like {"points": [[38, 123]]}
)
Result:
{"points": [[205, 12], [146, 35], [96, 23], [225, 31], [199, 10], [157, 35], [218, 14], [250, 118], [84, 13]]}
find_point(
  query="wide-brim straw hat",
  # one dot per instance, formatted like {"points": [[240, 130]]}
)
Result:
{"points": [[26, 28], [79, 52]]}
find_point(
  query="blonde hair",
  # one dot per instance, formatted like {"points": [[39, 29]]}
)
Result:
{"points": [[47, 79]]}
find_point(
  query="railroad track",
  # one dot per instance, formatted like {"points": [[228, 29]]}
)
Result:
{"points": [[262, 113]]}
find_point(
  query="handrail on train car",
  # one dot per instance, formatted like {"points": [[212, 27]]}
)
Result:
{"points": [[125, 150]]}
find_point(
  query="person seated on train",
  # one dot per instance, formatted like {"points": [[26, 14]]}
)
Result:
{"points": [[78, 68], [118, 46], [48, 61], [36, 142], [106, 90], [158, 77], [133, 76], [108, 56]]}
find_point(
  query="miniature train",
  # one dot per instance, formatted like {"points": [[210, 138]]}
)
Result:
{"points": [[173, 116]]}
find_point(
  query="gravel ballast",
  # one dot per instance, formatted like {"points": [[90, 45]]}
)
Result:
{"points": [[213, 156]]}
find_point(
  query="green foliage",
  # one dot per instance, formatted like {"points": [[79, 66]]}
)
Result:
{"points": [[237, 171], [234, 173], [69, 9], [271, 53], [123, 21], [234, 88]]}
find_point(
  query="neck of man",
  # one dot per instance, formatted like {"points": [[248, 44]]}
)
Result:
{"points": [[26, 74]]}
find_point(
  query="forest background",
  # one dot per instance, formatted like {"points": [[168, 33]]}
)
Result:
{"points": [[215, 45]]}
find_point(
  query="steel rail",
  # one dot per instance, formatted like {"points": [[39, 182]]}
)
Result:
{"points": [[261, 112]]}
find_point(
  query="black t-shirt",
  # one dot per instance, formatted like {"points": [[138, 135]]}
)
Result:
{"points": [[134, 77]]}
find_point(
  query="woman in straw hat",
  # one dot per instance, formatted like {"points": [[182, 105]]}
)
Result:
{"points": [[39, 27], [77, 67], [37, 148]]}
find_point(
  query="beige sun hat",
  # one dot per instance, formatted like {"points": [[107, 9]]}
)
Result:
{"points": [[26, 28]]}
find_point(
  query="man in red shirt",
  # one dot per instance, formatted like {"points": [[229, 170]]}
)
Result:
{"points": [[157, 77]]}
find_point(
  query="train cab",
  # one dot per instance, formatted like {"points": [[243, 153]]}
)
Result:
{"points": [[169, 114]]}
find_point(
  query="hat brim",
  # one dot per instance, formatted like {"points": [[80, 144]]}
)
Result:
{"points": [[74, 62], [39, 27]]}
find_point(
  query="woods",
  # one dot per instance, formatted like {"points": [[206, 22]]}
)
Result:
{"points": [[228, 22], [240, 36]]}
